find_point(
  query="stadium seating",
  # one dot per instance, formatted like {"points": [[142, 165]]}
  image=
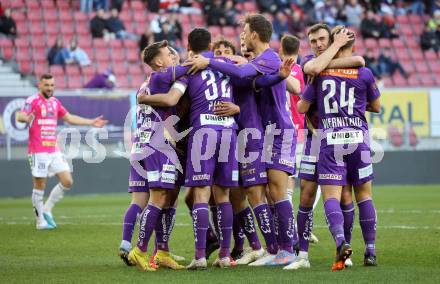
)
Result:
{"points": [[39, 25]]}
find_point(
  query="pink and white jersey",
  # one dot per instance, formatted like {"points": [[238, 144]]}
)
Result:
{"points": [[297, 118], [43, 128]]}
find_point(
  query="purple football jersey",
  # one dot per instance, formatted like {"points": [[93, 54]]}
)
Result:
{"points": [[273, 101], [341, 96], [206, 89]]}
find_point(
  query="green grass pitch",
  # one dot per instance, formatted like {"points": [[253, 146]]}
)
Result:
{"points": [[84, 247]]}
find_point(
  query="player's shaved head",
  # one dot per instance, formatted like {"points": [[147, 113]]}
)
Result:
{"points": [[350, 33], [260, 25], [199, 40], [223, 47], [46, 85], [290, 45]]}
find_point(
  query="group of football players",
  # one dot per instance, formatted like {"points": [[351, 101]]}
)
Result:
{"points": [[234, 145]]}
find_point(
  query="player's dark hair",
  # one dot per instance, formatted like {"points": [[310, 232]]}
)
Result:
{"points": [[350, 33], [290, 44], [199, 40], [313, 29], [225, 43], [259, 24], [46, 76], [153, 50]]}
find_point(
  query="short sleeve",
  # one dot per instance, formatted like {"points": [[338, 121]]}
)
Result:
{"points": [[61, 110], [28, 107], [372, 91], [309, 94]]}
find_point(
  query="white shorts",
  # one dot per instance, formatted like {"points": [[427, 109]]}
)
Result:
{"points": [[45, 165]]}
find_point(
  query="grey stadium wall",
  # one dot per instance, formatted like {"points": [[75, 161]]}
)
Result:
{"points": [[111, 176]]}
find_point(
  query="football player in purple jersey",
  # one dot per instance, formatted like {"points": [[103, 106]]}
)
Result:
{"points": [[342, 96]]}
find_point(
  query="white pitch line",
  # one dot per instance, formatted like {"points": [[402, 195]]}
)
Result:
{"points": [[398, 227]]}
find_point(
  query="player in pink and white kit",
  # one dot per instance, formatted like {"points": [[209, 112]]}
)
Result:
{"points": [[42, 111]]}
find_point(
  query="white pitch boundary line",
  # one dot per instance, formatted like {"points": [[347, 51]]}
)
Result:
{"points": [[398, 227]]}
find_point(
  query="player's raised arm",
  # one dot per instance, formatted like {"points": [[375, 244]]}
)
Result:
{"points": [[318, 64], [78, 120], [270, 80], [199, 62], [346, 62], [164, 100]]}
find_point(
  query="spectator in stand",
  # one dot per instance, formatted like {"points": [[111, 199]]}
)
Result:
{"points": [[116, 26], [58, 54], [388, 65], [372, 63], [389, 27], [325, 12], [117, 4], [429, 40], [370, 27], [7, 24], [175, 25], [417, 7], [280, 26], [166, 34], [354, 13], [267, 6], [186, 7], [77, 55], [104, 80], [169, 5], [147, 38], [99, 26], [153, 5], [341, 14], [297, 23], [434, 22], [230, 13], [88, 5], [216, 14]]}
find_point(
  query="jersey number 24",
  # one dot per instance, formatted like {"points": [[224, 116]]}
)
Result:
{"points": [[333, 107]]}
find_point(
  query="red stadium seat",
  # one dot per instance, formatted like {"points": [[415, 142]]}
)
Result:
{"points": [[52, 29], [22, 54], [388, 82], [399, 80], [197, 20], [72, 70], [84, 41], [39, 41], [116, 44], [135, 70], [132, 55], [21, 42], [421, 67], [406, 30], [430, 55], [7, 53], [6, 42], [397, 43], [137, 5], [415, 19], [25, 67], [250, 7], [117, 54], [414, 81], [427, 80], [88, 70], [125, 16], [34, 15], [64, 5], [22, 28], [50, 15], [384, 43], [370, 43], [18, 16], [121, 70], [403, 54], [82, 28], [229, 32], [39, 55], [66, 16], [36, 30], [18, 4], [434, 66], [184, 19], [40, 69], [136, 81], [56, 70], [417, 54], [215, 31], [74, 82], [60, 82], [275, 44], [407, 64], [402, 19], [99, 43], [80, 16], [47, 4], [139, 16], [67, 29], [102, 55], [122, 81]]}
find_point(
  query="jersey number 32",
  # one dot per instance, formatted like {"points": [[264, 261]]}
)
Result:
{"points": [[211, 93]]}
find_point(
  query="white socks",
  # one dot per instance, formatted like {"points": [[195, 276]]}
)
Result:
{"points": [[56, 195], [37, 202], [290, 195]]}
